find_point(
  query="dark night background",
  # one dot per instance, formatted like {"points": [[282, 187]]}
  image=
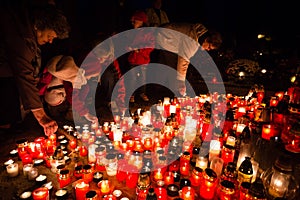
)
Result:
{"points": [[238, 21]]}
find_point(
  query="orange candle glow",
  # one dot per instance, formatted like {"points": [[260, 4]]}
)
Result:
{"points": [[158, 175], [188, 193], [81, 188], [168, 178], [104, 186]]}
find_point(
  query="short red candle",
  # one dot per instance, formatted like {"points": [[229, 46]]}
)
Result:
{"points": [[64, 178], [83, 151], [227, 154], [73, 143], [81, 188], [168, 178], [27, 159], [161, 193], [40, 194], [184, 168], [188, 193], [196, 176], [158, 174], [52, 138], [148, 144]]}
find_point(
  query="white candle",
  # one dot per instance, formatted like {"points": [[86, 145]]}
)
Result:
{"points": [[27, 168], [12, 169]]}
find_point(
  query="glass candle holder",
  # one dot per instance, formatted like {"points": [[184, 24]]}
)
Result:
{"points": [[87, 173], [202, 162], [226, 190], [105, 187], [61, 194], [33, 173]]}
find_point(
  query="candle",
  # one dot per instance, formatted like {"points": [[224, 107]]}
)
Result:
{"points": [[41, 179], [217, 165], [83, 151], [104, 186], [64, 178], [87, 173], [214, 149], [40, 194], [184, 168], [201, 162], [33, 173], [98, 176], [196, 176], [73, 143], [168, 178], [270, 130], [226, 190], [61, 194], [81, 188], [188, 193], [208, 185], [227, 154], [158, 175], [26, 195], [12, 169]]}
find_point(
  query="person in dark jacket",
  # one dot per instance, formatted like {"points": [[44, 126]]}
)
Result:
{"points": [[22, 30]]}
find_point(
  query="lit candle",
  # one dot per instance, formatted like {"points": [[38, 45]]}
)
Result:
{"points": [[73, 143], [158, 175], [217, 165], [64, 178], [168, 178], [83, 151], [104, 186], [81, 188], [26, 195], [201, 162], [196, 176], [214, 149], [41, 194], [12, 169], [188, 193], [208, 185], [270, 130], [61, 194], [184, 168]]}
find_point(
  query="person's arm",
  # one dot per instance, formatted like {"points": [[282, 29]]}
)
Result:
{"points": [[50, 126]]}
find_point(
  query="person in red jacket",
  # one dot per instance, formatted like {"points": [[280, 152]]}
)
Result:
{"points": [[139, 56]]}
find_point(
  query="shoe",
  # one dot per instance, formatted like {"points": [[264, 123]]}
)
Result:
{"points": [[144, 97], [131, 100]]}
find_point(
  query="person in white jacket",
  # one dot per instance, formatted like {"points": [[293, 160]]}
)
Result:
{"points": [[177, 45]]}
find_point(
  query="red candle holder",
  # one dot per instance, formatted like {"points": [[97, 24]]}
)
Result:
{"points": [[188, 193], [161, 193], [196, 176], [168, 178], [73, 143], [209, 184], [184, 168], [64, 178], [270, 130], [81, 188], [40, 194], [83, 151]]}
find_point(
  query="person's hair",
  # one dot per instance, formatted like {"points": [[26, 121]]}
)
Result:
{"points": [[49, 17], [214, 38]]}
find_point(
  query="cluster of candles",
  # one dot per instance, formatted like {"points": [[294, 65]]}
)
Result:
{"points": [[145, 144]]}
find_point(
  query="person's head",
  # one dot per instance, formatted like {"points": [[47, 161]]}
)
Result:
{"points": [[139, 19], [49, 23], [157, 4], [212, 40]]}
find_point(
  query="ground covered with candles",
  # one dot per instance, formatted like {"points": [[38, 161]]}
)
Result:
{"points": [[210, 146]]}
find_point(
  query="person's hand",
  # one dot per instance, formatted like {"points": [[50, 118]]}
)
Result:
{"points": [[49, 125], [181, 87], [91, 118]]}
